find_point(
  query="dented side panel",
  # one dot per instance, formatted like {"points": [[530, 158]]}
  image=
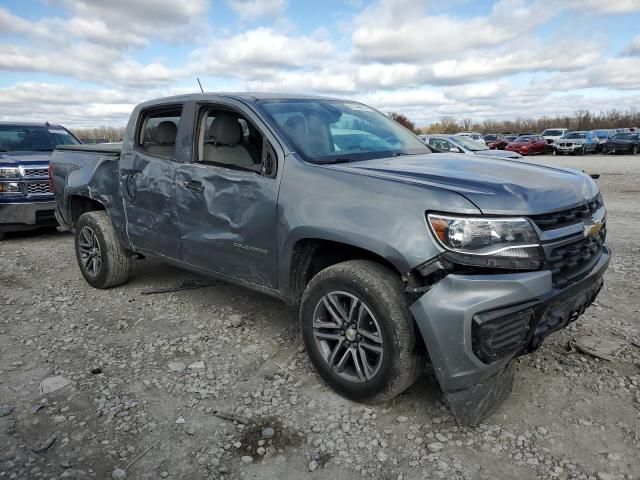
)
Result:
{"points": [[229, 227]]}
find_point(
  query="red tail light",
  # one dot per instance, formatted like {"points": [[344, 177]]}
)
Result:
{"points": [[51, 176]]}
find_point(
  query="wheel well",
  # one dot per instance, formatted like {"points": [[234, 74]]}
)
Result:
{"points": [[79, 205], [310, 256]]}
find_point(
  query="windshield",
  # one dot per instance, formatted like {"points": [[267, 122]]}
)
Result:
{"points": [[18, 138], [469, 144], [552, 133], [576, 135], [336, 130], [602, 133], [523, 139], [490, 138]]}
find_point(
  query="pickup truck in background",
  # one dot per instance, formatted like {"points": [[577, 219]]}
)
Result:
{"points": [[398, 258], [26, 201]]}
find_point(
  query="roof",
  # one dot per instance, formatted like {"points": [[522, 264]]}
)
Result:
{"points": [[31, 124], [247, 97]]}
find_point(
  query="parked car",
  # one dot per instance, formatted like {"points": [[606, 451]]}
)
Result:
{"points": [[387, 251], [576, 143], [622, 143], [459, 144], [528, 145], [478, 137], [25, 150], [495, 141], [602, 137], [551, 135]]}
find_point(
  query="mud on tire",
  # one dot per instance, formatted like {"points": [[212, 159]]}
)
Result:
{"points": [[94, 235], [332, 291]]}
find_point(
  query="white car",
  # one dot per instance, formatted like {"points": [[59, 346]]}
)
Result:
{"points": [[478, 137], [551, 135]]}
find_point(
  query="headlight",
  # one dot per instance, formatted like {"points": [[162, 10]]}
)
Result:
{"points": [[488, 242], [9, 172]]}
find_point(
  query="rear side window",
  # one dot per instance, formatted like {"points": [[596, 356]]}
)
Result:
{"points": [[158, 129]]}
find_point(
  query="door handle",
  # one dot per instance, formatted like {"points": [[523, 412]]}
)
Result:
{"points": [[194, 186]]}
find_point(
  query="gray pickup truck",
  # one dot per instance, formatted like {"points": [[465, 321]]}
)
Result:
{"points": [[26, 200], [399, 259]]}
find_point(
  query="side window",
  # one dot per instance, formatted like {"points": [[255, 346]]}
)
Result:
{"points": [[157, 132], [227, 139]]}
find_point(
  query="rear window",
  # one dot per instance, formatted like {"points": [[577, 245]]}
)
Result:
{"points": [[18, 138], [157, 131]]}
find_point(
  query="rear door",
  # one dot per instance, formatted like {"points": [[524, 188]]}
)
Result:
{"points": [[227, 195], [147, 176]]}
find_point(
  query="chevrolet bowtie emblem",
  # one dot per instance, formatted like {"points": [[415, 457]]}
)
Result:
{"points": [[592, 229]]}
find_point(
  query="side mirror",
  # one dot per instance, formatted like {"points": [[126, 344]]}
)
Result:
{"points": [[455, 150], [269, 159]]}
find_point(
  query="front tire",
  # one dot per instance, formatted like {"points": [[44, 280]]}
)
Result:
{"points": [[359, 332], [102, 260]]}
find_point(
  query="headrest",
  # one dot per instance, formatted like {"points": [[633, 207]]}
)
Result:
{"points": [[166, 133], [225, 129]]}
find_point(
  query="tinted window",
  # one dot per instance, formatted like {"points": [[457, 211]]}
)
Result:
{"points": [[552, 133], [576, 135], [158, 130], [324, 130], [14, 138], [490, 138]]}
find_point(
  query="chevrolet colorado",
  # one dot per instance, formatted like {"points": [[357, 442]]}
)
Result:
{"points": [[398, 258], [26, 201]]}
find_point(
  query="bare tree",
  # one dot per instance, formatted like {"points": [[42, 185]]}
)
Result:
{"points": [[403, 120]]}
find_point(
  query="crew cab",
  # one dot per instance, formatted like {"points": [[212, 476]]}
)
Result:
{"points": [[392, 254], [26, 201]]}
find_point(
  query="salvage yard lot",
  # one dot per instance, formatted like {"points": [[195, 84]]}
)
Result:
{"points": [[570, 415]]}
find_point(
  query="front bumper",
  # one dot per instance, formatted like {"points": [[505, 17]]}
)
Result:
{"points": [[569, 150], [23, 216], [464, 317]]}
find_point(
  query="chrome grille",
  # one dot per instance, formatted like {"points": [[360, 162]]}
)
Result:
{"points": [[571, 216], [38, 188], [36, 172]]}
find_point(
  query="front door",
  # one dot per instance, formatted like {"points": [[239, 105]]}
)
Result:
{"points": [[147, 176], [227, 198]]}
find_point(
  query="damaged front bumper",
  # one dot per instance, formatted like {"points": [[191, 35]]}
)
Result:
{"points": [[475, 325]]}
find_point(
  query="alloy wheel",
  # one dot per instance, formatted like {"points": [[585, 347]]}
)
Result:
{"points": [[348, 336], [90, 253]]}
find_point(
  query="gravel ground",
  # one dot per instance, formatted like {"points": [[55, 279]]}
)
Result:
{"points": [[157, 371]]}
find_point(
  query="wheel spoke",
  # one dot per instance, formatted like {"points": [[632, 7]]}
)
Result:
{"points": [[87, 260], [356, 363], [320, 324], [374, 337], [368, 370], [334, 353], [329, 305], [327, 336], [341, 364], [373, 348], [352, 308]]}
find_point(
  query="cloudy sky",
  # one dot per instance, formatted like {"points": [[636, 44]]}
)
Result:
{"points": [[87, 62]]}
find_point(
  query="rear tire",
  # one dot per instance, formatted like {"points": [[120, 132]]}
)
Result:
{"points": [[102, 260], [353, 312]]}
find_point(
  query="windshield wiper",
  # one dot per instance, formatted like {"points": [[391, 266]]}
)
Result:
{"points": [[334, 160], [42, 150]]}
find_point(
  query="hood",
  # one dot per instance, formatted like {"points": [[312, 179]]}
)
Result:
{"points": [[498, 154], [24, 158], [577, 141], [620, 140], [497, 187]]}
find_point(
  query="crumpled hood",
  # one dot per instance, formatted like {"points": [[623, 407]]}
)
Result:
{"points": [[24, 158], [502, 187]]}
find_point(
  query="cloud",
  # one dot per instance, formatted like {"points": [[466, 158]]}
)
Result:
{"points": [[634, 47], [619, 7], [252, 9], [250, 53]]}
